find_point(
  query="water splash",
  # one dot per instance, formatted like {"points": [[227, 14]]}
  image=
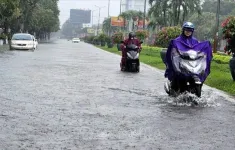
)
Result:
{"points": [[190, 100]]}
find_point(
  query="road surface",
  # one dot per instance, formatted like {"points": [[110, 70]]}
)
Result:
{"points": [[67, 96]]}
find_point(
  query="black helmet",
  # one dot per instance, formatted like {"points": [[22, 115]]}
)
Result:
{"points": [[131, 35]]}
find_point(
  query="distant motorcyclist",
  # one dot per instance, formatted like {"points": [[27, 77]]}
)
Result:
{"points": [[187, 38], [130, 40]]}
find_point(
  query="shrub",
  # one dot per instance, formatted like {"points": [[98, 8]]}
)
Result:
{"points": [[228, 29], [108, 39], [117, 37], [221, 59], [3, 36], [102, 37], [166, 34], [142, 34]]}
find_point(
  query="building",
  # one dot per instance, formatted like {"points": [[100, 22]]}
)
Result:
{"points": [[137, 5], [80, 17]]}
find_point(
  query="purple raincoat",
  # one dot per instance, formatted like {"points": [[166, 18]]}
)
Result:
{"points": [[185, 44]]}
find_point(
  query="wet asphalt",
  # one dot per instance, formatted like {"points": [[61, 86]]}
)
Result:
{"points": [[67, 96]]}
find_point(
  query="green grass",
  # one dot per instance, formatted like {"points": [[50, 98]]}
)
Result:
{"points": [[220, 76]]}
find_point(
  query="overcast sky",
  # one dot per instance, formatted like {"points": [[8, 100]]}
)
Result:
{"points": [[66, 5]]}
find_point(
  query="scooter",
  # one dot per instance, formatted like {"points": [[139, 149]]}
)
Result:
{"points": [[132, 60], [191, 69]]}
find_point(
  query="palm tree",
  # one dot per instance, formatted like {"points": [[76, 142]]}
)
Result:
{"points": [[172, 12], [126, 17], [132, 15], [107, 28], [107, 25]]}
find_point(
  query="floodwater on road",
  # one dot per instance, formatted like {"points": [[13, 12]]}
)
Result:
{"points": [[74, 96]]}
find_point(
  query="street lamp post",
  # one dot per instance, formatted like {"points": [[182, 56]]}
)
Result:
{"points": [[145, 1], [217, 28], [99, 17], [108, 8], [120, 7], [109, 17]]}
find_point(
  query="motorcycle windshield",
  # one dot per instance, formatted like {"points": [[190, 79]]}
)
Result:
{"points": [[190, 60], [133, 55], [132, 47]]}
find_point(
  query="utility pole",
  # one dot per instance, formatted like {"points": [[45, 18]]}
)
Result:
{"points": [[120, 7], [99, 18], [145, 1], [216, 34], [109, 17], [108, 8]]}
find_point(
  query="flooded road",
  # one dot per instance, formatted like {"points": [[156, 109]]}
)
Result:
{"points": [[74, 97]]}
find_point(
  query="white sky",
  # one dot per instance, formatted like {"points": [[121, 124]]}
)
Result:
{"points": [[66, 5]]}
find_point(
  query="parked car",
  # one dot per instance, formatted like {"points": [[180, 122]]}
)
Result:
{"points": [[76, 40], [23, 41]]}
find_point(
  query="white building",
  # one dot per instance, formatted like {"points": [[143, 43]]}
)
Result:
{"points": [[134, 5]]}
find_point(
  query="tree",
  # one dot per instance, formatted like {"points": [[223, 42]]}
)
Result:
{"points": [[131, 16], [107, 26], [9, 10], [226, 6], [204, 25], [172, 12], [44, 18]]}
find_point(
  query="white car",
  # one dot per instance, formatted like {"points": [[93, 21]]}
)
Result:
{"points": [[23, 41], [75, 40]]}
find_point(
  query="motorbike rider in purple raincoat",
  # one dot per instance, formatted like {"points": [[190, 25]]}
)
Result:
{"points": [[186, 42]]}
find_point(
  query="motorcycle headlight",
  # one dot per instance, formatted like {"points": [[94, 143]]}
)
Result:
{"points": [[192, 54]]}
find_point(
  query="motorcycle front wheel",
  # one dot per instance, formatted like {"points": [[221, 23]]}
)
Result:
{"points": [[198, 90]]}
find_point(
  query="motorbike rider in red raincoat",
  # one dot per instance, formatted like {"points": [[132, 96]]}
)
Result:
{"points": [[131, 40]]}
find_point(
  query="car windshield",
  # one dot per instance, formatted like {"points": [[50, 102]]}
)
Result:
{"points": [[21, 37]]}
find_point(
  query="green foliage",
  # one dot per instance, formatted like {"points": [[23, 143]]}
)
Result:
{"points": [[89, 39], [3, 36], [226, 7], [40, 16], [142, 34], [221, 59], [204, 25], [166, 34], [172, 12], [228, 30], [117, 37], [131, 15], [108, 39], [102, 37]]}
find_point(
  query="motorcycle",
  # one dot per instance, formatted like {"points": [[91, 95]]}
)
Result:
{"points": [[191, 68], [132, 60]]}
